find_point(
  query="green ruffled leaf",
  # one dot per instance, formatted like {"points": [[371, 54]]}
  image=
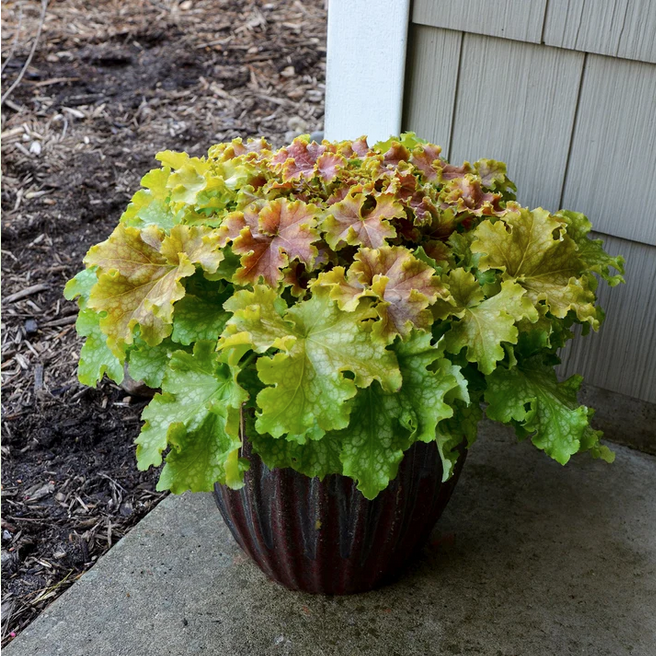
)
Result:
{"points": [[149, 363], [457, 431], [194, 386], [482, 326], [151, 206], [530, 397], [408, 140], [319, 343], [80, 286], [591, 251], [529, 248], [427, 379], [96, 359], [375, 439], [197, 318], [203, 456]]}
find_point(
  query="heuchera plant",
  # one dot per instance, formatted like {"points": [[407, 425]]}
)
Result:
{"points": [[335, 303]]}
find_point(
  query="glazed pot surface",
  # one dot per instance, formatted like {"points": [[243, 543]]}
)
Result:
{"points": [[324, 536]]}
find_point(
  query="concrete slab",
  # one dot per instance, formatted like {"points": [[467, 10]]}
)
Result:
{"points": [[531, 559]]}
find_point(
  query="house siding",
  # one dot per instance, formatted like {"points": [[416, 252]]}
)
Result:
{"points": [[574, 117]]}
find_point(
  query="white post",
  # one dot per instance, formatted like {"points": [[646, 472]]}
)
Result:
{"points": [[365, 68]]}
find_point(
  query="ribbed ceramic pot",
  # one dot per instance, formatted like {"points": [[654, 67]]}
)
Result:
{"points": [[324, 536]]}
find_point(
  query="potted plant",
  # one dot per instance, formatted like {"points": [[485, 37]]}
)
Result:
{"points": [[324, 322]]}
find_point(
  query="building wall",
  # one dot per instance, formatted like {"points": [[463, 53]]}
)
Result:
{"points": [[565, 93]]}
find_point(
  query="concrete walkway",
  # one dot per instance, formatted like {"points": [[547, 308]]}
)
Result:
{"points": [[530, 559]]}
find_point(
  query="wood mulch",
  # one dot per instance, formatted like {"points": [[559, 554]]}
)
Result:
{"points": [[110, 83]]}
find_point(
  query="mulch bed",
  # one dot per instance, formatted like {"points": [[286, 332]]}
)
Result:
{"points": [[109, 84]]}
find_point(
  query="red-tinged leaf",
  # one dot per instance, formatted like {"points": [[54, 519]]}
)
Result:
{"points": [[236, 148], [357, 149], [299, 160], [397, 153], [251, 146], [235, 222], [448, 171], [408, 231], [259, 259], [292, 225], [295, 277], [443, 225], [328, 166], [401, 183], [423, 157], [324, 255], [352, 186], [406, 285], [440, 253], [466, 195], [361, 147], [338, 195], [350, 222], [285, 231], [492, 174], [424, 208]]}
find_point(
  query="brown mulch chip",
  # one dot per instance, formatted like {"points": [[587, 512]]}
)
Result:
{"points": [[109, 85]]}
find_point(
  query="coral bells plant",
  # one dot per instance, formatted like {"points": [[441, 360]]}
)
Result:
{"points": [[333, 304]]}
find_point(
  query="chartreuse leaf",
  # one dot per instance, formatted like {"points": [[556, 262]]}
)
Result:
{"points": [[257, 321], [591, 251], [530, 397], [195, 385], [531, 248], [139, 278], [453, 432], [95, 357], [204, 455], [482, 326], [375, 439], [149, 363], [313, 458], [80, 286], [151, 206], [427, 379], [188, 176], [319, 344], [197, 318], [408, 140], [590, 443]]}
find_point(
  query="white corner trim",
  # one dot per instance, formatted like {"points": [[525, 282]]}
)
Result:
{"points": [[365, 68]]}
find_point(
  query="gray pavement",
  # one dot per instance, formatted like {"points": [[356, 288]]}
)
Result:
{"points": [[531, 558]]}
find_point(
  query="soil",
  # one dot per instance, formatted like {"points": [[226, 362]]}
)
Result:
{"points": [[109, 85]]}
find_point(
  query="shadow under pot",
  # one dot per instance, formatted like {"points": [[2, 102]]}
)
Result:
{"points": [[324, 537]]}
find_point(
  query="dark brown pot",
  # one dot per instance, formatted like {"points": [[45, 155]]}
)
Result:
{"points": [[324, 536]]}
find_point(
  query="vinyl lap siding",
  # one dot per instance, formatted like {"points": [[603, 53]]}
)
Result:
{"points": [[576, 129]]}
